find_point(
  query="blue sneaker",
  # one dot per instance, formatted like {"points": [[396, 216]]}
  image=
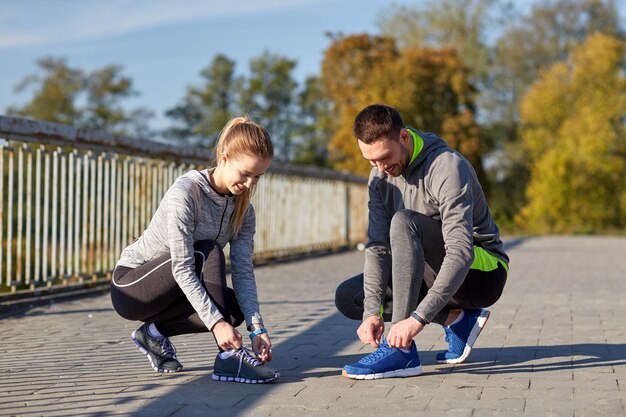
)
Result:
{"points": [[461, 336], [385, 362]]}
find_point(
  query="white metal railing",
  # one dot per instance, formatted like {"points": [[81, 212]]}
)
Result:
{"points": [[71, 200]]}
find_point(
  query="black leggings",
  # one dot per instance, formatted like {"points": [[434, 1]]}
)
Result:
{"points": [[150, 294]]}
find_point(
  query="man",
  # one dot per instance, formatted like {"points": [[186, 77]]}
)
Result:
{"points": [[431, 232]]}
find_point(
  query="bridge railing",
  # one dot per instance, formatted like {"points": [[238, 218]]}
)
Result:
{"points": [[72, 199]]}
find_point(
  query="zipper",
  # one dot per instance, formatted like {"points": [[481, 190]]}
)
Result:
{"points": [[219, 231]]}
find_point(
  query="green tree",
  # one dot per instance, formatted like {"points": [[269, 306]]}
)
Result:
{"points": [[60, 91], [268, 95], [313, 133], [106, 88], [573, 132], [55, 92], [206, 109]]}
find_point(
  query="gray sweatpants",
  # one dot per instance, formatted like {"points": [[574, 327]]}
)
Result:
{"points": [[417, 252]]}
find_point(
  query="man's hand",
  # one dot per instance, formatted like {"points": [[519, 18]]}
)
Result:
{"points": [[402, 333], [371, 330]]}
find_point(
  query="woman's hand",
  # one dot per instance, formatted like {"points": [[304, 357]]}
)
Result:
{"points": [[226, 335], [262, 347]]}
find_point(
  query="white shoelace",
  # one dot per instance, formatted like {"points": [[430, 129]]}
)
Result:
{"points": [[245, 355], [167, 347]]}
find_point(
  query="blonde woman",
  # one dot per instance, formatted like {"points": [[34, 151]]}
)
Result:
{"points": [[173, 278]]}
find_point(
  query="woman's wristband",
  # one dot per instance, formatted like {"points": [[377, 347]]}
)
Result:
{"points": [[257, 332]]}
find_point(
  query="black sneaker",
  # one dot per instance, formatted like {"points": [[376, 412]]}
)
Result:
{"points": [[159, 350], [239, 365]]}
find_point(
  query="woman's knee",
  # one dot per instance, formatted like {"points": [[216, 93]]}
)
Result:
{"points": [[209, 248], [209, 255]]}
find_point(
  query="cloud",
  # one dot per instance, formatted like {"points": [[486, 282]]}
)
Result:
{"points": [[41, 22]]}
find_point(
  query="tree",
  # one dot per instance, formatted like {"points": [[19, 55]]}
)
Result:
{"points": [[573, 132], [530, 44], [536, 41], [429, 87], [60, 90], [353, 77], [55, 94], [269, 97], [106, 88], [463, 25], [313, 133], [206, 109]]}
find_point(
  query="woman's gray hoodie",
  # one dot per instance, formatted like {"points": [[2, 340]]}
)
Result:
{"points": [[191, 211]]}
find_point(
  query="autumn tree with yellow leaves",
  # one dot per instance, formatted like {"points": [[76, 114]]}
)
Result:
{"points": [[428, 86], [574, 136]]}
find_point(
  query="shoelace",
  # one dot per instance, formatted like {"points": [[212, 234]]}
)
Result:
{"points": [[381, 352], [244, 354], [167, 347]]}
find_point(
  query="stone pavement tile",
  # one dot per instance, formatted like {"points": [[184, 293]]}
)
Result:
{"points": [[513, 382], [487, 412], [597, 382], [314, 397], [538, 404], [391, 394], [598, 401]]}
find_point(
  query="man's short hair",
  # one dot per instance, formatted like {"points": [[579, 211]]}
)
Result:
{"points": [[375, 121]]}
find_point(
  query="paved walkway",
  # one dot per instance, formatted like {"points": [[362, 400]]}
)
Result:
{"points": [[555, 345]]}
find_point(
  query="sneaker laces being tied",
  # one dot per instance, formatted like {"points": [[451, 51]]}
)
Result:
{"points": [[244, 355], [167, 347], [382, 351]]}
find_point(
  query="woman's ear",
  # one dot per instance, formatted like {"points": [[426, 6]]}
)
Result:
{"points": [[223, 158]]}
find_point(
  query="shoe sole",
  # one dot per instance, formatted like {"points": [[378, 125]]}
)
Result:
{"points": [[145, 352], [478, 327], [402, 373], [244, 380]]}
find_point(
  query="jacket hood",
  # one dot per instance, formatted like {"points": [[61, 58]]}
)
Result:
{"points": [[429, 142], [203, 180]]}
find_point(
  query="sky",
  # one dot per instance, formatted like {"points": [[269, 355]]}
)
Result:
{"points": [[164, 44]]}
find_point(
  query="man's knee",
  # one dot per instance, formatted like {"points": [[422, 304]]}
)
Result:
{"points": [[402, 221], [347, 297]]}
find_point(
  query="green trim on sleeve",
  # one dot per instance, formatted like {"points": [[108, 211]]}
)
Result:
{"points": [[485, 261], [418, 144]]}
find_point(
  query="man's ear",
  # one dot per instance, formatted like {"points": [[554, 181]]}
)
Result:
{"points": [[405, 138]]}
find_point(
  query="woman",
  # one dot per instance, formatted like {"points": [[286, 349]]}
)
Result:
{"points": [[173, 278]]}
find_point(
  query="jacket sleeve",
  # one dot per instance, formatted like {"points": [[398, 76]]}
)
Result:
{"points": [[180, 229], [244, 282], [451, 186], [377, 269]]}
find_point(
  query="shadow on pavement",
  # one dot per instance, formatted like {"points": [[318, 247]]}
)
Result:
{"points": [[308, 354], [518, 359]]}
